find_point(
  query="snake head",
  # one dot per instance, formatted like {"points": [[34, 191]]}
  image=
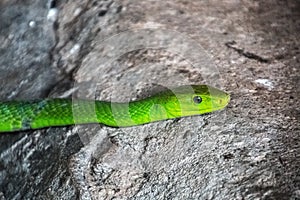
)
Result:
{"points": [[208, 99], [194, 100]]}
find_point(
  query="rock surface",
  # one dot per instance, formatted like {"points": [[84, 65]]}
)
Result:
{"points": [[122, 50]]}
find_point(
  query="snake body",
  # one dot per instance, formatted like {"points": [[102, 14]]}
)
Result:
{"points": [[172, 103]]}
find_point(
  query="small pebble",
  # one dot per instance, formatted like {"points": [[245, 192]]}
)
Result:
{"points": [[32, 24], [75, 49], [77, 12], [52, 15], [266, 140], [266, 82]]}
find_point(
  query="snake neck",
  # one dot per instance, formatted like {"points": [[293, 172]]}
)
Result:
{"points": [[144, 111]]}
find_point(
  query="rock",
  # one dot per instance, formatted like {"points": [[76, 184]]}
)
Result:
{"points": [[122, 50]]}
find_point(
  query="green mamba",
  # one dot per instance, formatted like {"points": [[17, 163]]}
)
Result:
{"points": [[173, 103]]}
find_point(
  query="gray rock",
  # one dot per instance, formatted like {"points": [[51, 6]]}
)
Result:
{"points": [[112, 51]]}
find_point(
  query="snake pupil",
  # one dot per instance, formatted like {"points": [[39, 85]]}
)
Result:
{"points": [[197, 99]]}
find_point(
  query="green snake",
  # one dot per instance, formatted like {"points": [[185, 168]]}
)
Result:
{"points": [[168, 104]]}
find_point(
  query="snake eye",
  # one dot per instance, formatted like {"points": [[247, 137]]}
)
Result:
{"points": [[197, 99]]}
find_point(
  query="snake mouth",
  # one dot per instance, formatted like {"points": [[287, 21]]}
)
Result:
{"points": [[217, 104], [213, 109], [224, 102]]}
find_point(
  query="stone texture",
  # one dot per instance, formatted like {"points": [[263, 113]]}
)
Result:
{"points": [[122, 50]]}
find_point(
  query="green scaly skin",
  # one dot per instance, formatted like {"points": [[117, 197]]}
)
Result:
{"points": [[169, 104]]}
